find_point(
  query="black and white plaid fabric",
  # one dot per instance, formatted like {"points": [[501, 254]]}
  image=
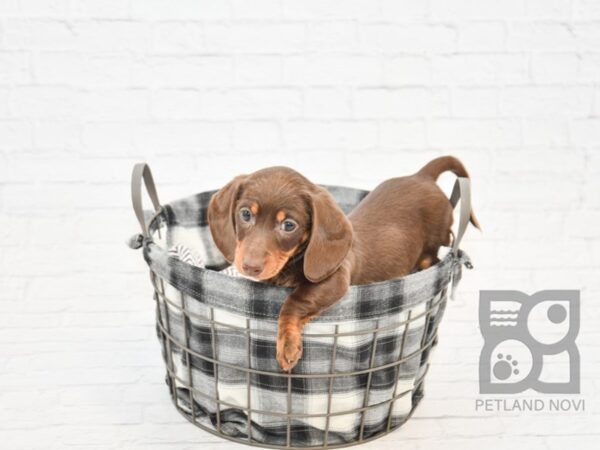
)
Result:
{"points": [[218, 339]]}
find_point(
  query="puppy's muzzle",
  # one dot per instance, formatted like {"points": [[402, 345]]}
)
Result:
{"points": [[252, 268]]}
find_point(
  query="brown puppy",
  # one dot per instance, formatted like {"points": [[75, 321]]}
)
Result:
{"points": [[277, 226]]}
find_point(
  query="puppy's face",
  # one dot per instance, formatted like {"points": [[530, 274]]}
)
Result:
{"points": [[272, 222], [261, 221]]}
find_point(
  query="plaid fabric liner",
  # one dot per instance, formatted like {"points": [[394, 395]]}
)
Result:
{"points": [[218, 338]]}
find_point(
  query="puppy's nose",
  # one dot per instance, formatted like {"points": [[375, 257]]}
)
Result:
{"points": [[252, 268]]}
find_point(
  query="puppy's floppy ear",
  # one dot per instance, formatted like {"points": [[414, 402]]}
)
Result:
{"points": [[220, 216], [330, 239]]}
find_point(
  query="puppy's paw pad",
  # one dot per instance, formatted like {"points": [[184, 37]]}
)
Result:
{"points": [[289, 352]]}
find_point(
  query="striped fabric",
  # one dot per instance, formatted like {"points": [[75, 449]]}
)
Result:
{"points": [[218, 340], [188, 256]]}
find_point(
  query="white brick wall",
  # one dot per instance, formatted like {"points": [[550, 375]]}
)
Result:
{"points": [[347, 92]]}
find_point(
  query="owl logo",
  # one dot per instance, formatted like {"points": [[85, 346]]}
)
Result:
{"points": [[529, 342]]}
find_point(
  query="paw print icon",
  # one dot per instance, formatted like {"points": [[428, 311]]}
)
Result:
{"points": [[503, 368], [529, 342]]}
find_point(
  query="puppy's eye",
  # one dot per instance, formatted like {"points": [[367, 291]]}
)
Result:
{"points": [[288, 225], [245, 214]]}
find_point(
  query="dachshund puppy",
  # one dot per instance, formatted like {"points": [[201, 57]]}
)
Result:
{"points": [[277, 226]]}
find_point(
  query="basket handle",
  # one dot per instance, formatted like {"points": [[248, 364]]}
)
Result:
{"points": [[142, 171], [461, 191]]}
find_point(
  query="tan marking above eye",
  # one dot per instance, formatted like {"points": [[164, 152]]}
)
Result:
{"points": [[280, 216], [254, 208]]}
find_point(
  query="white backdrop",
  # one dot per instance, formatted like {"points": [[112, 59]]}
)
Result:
{"points": [[348, 93]]}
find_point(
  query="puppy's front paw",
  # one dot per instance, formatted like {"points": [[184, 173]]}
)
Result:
{"points": [[289, 350]]}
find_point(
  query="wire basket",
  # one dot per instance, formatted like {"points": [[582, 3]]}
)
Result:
{"points": [[364, 360]]}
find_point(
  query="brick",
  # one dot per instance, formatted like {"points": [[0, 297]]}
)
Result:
{"points": [[23, 168], [593, 161], [550, 131], [70, 288], [332, 36], [248, 38], [126, 104], [555, 68], [339, 134], [106, 9], [332, 70], [327, 103], [475, 102], [558, 442], [77, 69], [15, 67], [251, 103], [485, 36], [421, 427], [389, 164], [401, 103], [587, 36], [193, 71], [58, 67], [586, 9], [540, 36], [483, 69], [472, 132], [57, 135], [586, 131], [546, 101], [540, 225], [10, 7], [46, 102], [169, 104], [590, 197], [160, 413], [38, 35], [189, 136], [261, 70], [329, 171], [4, 103], [260, 9], [185, 10], [533, 194], [394, 38], [15, 134], [143, 394], [242, 163], [174, 37], [17, 439], [588, 66], [109, 139], [549, 426], [577, 224], [256, 135], [559, 162], [403, 134], [468, 9], [402, 10], [12, 229], [548, 9], [51, 197], [330, 9], [407, 69], [45, 9]]}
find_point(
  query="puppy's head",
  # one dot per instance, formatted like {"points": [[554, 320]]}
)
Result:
{"points": [[262, 220]]}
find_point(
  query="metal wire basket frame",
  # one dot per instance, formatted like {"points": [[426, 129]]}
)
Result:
{"points": [[182, 391]]}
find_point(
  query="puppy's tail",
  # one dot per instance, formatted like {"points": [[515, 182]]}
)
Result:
{"points": [[434, 168]]}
